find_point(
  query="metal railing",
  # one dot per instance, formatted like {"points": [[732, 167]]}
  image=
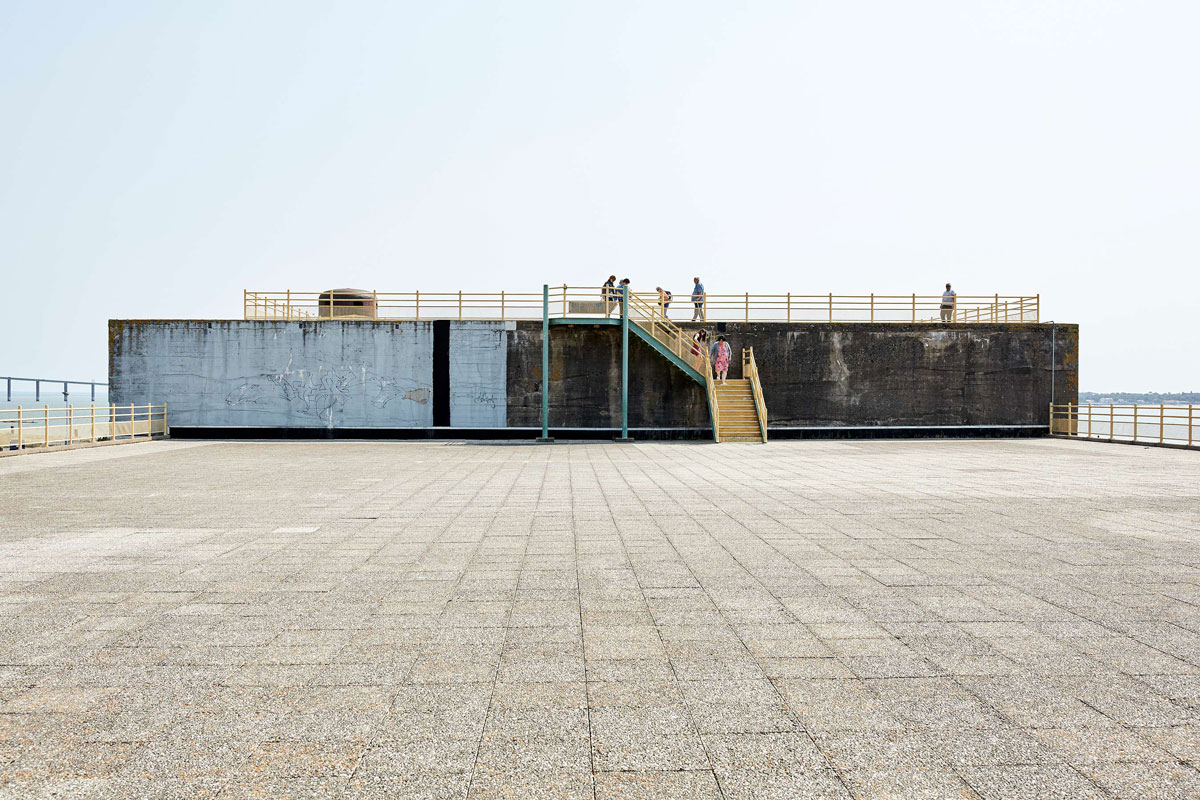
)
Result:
{"points": [[650, 318], [37, 386], [47, 427], [750, 371], [1160, 424], [596, 301]]}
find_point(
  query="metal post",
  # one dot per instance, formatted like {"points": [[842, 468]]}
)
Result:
{"points": [[872, 306], [747, 306], [545, 437], [20, 430], [624, 437], [1135, 416], [460, 305], [93, 392], [70, 424], [789, 307], [502, 317], [418, 305], [10, 390], [831, 306], [374, 304], [37, 391], [1051, 428], [131, 434], [1053, 357], [46, 429], [914, 306], [1189, 424], [1110, 421], [93, 422], [1162, 424], [66, 392], [166, 431]]}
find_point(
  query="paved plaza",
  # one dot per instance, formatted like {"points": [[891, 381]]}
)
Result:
{"points": [[815, 619]]}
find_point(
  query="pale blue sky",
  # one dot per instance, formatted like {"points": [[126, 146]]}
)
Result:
{"points": [[160, 157]]}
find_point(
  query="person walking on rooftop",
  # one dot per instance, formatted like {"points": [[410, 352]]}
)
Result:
{"points": [[721, 354], [622, 292], [664, 300], [698, 300], [949, 301], [608, 293]]}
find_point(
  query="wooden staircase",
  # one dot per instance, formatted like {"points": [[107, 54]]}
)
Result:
{"points": [[736, 407], [738, 420]]}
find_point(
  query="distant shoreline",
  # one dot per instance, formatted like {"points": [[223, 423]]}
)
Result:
{"points": [[1141, 398]]}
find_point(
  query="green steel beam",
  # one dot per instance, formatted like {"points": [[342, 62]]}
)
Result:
{"points": [[545, 364], [625, 364], [584, 321]]}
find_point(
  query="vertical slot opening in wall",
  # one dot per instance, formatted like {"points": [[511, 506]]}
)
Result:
{"points": [[441, 372]]}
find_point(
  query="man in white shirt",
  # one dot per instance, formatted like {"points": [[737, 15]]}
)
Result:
{"points": [[949, 300]]}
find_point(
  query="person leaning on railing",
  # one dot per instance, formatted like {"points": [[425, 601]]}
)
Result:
{"points": [[608, 293], [664, 299], [622, 291]]}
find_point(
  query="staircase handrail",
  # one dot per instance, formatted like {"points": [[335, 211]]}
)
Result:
{"points": [[649, 317], [750, 370], [714, 409]]}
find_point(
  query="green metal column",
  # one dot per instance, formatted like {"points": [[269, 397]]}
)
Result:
{"points": [[625, 366], [545, 437]]}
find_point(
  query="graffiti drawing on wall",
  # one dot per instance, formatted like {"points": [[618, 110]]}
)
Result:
{"points": [[323, 393]]}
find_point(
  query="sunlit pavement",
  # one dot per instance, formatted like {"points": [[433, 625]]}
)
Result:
{"points": [[899, 619]]}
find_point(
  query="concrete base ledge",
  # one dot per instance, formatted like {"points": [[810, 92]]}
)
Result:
{"points": [[607, 434]]}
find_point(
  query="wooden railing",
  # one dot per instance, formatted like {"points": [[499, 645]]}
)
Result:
{"points": [[750, 371], [58, 427], [596, 301], [1160, 424]]}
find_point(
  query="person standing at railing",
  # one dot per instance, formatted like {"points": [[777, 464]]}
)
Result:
{"points": [[949, 301], [698, 300], [664, 299], [609, 295], [622, 291], [721, 355]]}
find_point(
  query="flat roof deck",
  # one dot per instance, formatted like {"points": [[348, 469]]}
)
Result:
{"points": [[948, 618]]}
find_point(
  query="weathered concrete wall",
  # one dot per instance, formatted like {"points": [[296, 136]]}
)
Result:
{"points": [[275, 374], [585, 381], [385, 375], [863, 374], [812, 375], [478, 359]]}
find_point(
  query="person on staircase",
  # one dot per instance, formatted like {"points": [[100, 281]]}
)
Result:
{"points": [[608, 293], [664, 300], [721, 354]]}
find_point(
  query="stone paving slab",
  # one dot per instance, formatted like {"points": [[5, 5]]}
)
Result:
{"points": [[892, 619]]}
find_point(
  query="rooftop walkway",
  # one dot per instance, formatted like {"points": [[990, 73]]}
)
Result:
{"points": [[945, 618]]}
